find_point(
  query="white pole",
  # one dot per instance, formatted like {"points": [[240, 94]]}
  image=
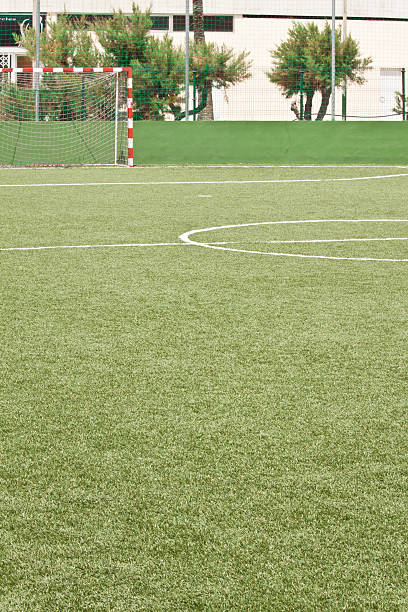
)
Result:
{"points": [[37, 26], [344, 19], [187, 75], [344, 101], [333, 61], [116, 117]]}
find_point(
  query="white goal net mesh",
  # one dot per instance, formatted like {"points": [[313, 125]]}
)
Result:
{"points": [[52, 118]]}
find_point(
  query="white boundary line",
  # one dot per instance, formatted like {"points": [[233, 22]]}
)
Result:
{"points": [[91, 246], [186, 238], [103, 246], [192, 166], [230, 182]]}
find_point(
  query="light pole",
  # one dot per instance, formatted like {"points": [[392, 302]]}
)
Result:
{"points": [[37, 26], [333, 61], [344, 96], [187, 67]]}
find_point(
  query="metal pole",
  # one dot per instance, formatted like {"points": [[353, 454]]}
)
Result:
{"points": [[187, 75], [37, 26], [195, 95], [404, 114], [116, 116], [83, 96], [301, 95], [344, 96], [333, 62]]}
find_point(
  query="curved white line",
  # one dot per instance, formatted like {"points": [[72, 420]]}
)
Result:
{"points": [[186, 238]]}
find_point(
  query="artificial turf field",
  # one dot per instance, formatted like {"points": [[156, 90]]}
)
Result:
{"points": [[191, 428]]}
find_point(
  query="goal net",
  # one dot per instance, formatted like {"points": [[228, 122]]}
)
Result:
{"points": [[66, 116]]}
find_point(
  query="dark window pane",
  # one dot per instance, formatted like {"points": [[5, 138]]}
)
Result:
{"points": [[212, 23], [179, 23], [160, 22], [219, 23], [91, 19]]}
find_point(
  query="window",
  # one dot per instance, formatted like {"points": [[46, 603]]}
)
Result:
{"points": [[212, 23], [160, 22], [73, 17], [5, 60]]}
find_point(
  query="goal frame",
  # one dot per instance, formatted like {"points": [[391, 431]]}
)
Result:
{"points": [[126, 70]]}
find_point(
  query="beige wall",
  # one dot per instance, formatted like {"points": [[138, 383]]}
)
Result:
{"points": [[376, 8]]}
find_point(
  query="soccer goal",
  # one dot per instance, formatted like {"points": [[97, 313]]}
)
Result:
{"points": [[66, 116]]}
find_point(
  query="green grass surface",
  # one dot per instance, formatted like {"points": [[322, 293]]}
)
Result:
{"points": [[191, 429]]}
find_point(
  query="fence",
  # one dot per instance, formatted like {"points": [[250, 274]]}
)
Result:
{"points": [[254, 65], [259, 100]]}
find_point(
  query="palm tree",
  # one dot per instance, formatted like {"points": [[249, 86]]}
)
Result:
{"points": [[207, 114]]}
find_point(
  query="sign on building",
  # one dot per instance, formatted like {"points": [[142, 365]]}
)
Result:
{"points": [[15, 24]]}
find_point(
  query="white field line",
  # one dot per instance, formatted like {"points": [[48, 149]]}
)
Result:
{"points": [[230, 182], [103, 246], [165, 244], [329, 240], [90, 246], [192, 166], [186, 238]]}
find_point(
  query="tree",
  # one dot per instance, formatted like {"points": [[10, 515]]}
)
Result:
{"points": [[157, 64], [398, 109], [65, 42], [207, 114], [121, 41], [307, 50], [216, 66]]}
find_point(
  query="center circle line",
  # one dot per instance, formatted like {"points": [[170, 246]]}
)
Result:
{"points": [[185, 237]]}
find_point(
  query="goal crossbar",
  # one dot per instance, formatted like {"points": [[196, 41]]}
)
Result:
{"points": [[90, 70]]}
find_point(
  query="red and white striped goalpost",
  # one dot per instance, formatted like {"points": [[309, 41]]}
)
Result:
{"points": [[129, 93]]}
